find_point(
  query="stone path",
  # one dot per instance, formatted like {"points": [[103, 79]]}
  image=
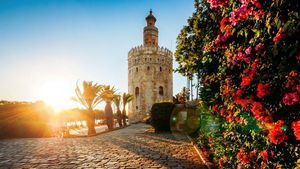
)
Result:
{"points": [[131, 147]]}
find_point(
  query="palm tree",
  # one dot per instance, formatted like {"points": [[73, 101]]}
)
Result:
{"points": [[107, 94], [89, 98], [126, 98], [117, 101]]}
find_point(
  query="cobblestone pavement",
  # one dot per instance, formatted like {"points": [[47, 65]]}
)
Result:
{"points": [[131, 147]]}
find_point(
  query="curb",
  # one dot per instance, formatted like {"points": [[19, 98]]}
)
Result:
{"points": [[208, 164], [103, 132]]}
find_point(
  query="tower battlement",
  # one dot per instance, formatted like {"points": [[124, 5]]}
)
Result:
{"points": [[138, 49]]}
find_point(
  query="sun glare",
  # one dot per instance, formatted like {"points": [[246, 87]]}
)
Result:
{"points": [[56, 93]]}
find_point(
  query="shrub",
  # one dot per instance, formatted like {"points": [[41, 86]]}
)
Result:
{"points": [[160, 116], [21, 119]]}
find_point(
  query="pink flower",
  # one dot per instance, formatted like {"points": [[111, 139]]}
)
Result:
{"points": [[259, 47], [298, 88], [252, 154], [290, 99], [217, 3], [248, 50]]}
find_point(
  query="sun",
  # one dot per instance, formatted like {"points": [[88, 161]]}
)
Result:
{"points": [[56, 93]]}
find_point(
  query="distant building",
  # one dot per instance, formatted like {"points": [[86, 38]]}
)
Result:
{"points": [[150, 76]]}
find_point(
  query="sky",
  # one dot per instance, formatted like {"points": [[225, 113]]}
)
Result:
{"points": [[52, 44]]}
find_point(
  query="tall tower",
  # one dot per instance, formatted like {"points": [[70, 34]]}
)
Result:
{"points": [[150, 76]]}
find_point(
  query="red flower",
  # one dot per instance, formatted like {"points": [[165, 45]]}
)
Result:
{"points": [[264, 155], [256, 3], [229, 117], [215, 107], [296, 128], [276, 134], [289, 83], [293, 73], [290, 99], [221, 162], [262, 90], [239, 93], [222, 112], [279, 35], [257, 110], [239, 155], [246, 81], [244, 159]]}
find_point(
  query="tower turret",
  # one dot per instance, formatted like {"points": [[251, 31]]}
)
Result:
{"points": [[150, 31]]}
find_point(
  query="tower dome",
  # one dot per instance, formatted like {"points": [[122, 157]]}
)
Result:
{"points": [[150, 19]]}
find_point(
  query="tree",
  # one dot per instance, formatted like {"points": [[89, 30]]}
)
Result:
{"points": [[247, 55], [107, 94], [117, 102], [126, 98], [181, 97], [89, 98]]}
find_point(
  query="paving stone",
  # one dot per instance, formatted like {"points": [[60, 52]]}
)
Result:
{"points": [[129, 148]]}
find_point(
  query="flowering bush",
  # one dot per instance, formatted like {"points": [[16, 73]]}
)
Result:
{"points": [[247, 54]]}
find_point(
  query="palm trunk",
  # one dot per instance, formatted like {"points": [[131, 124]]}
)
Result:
{"points": [[124, 117], [109, 116], [91, 122], [119, 115]]}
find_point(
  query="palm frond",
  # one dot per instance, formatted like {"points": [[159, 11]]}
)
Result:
{"points": [[89, 96]]}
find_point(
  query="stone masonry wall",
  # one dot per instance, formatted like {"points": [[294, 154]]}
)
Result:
{"points": [[150, 79]]}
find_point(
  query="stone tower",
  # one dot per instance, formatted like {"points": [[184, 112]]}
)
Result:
{"points": [[150, 76]]}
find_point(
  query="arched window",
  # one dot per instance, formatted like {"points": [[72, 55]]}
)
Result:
{"points": [[137, 92], [160, 69], [137, 69], [161, 90], [148, 68]]}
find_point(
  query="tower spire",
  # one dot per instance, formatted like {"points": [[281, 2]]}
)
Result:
{"points": [[150, 31]]}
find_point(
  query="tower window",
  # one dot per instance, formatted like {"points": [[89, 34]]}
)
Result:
{"points": [[137, 107], [148, 68], [160, 69], [161, 90], [137, 91], [137, 69]]}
